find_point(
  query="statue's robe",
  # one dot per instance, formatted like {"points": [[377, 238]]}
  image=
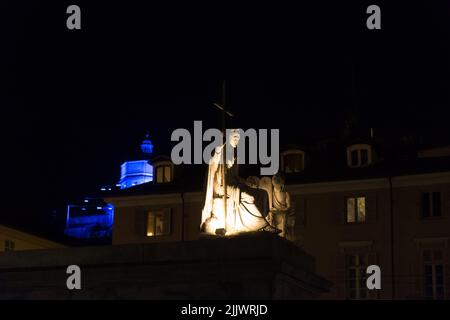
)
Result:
{"points": [[247, 208]]}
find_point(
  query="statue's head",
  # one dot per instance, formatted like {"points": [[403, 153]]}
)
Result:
{"points": [[234, 138], [278, 180]]}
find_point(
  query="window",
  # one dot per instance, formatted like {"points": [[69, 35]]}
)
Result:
{"points": [[357, 277], [431, 204], [9, 245], [159, 223], [293, 161], [356, 210], [434, 274], [164, 174], [359, 156]]}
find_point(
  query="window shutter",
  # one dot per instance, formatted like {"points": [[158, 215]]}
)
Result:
{"points": [[372, 260], [159, 175], [371, 208], [364, 157], [167, 222], [340, 210], [140, 223], [355, 158], [437, 212], [426, 205], [341, 276]]}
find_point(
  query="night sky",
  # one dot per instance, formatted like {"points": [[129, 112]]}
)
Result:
{"points": [[76, 104]]}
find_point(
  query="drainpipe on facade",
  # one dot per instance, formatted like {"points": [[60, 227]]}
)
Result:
{"points": [[182, 217], [391, 208]]}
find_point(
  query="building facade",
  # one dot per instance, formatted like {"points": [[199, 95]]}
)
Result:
{"points": [[368, 209], [15, 240]]}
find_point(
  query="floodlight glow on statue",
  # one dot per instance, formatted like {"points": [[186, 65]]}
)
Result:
{"points": [[232, 206]]}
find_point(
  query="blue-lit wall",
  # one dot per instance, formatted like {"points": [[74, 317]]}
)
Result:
{"points": [[134, 173], [90, 220]]}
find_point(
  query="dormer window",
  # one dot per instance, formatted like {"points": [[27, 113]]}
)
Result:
{"points": [[163, 172], [293, 161], [359, 156]]}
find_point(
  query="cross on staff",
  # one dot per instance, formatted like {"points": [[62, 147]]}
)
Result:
{"points": [[222, 107]]}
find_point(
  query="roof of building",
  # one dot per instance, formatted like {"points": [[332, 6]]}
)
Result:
{"points": [[326, 161], [186, 179], [25, 235]]}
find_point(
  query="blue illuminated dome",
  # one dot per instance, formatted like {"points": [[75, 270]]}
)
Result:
{"points": [[135, 173], [147, 146]]}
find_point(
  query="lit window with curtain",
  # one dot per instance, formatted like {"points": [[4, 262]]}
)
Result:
{"points": [[159, 223], [163, 172], [356, 210]]}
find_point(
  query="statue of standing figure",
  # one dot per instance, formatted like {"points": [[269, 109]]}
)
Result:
{"points": [[247, 206]]}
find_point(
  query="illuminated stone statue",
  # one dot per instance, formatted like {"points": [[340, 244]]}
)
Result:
{"points": [[247, 207]]}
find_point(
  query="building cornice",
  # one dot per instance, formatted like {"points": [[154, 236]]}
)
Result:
{"points": [[370, 184], [329, 187], [156, 200], [296, 189], [421, 179]]}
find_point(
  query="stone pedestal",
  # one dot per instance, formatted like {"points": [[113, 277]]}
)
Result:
{"points": [[254, 266]]}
